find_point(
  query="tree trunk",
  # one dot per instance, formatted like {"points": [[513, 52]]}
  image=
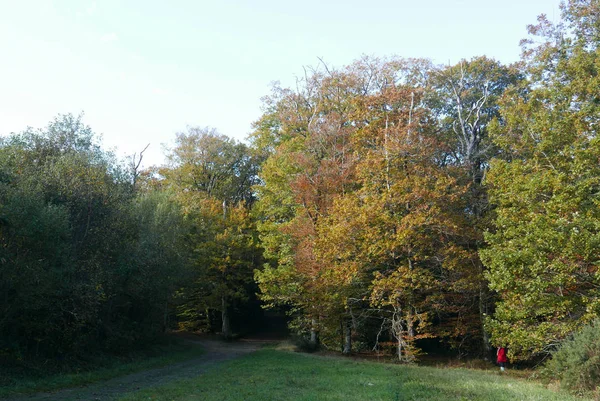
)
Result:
{"points": [[166, 317], [225, 329], [487, 348], [409, 355], [410, 325], [397, 332], [347, 337], [314, 338], [480, 204]]}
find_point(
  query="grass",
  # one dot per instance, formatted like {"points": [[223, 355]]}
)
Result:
{"points": [[99, 368], [276, 375]]}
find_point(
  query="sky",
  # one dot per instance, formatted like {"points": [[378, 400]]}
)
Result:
{"points": [[141, 71]]}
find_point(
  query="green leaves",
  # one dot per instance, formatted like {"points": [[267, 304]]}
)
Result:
{"points": [[542, 257], [205, 161], [83, 264], [212, 176]]}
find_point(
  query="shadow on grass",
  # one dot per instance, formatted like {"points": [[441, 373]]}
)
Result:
{"points": [[37, 376]]}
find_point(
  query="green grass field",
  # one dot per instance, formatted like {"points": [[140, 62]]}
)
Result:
{"points": [[278, 375], [101, 368]]}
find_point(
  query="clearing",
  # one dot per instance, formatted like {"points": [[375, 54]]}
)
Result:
{"points": [[274, 375], [241, 371]]}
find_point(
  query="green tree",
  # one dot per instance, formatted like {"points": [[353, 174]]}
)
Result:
{"points": [[74, 273], [215, 165], [542, 254], [225, 250], [212, 177]]}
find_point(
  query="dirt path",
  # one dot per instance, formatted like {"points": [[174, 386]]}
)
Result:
{"points": [[216, 353]]}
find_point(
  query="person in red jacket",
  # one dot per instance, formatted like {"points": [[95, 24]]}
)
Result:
{"points": [[501, 357]]}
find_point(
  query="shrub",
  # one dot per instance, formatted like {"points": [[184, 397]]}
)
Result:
{"points": [[576, 363], [303, 343]]}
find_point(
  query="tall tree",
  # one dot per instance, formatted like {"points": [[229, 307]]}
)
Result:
{"points": [[543, 251], [213, 177], [213, 164], [393, 241], [307, 135], [464, 98], [319, 138]]}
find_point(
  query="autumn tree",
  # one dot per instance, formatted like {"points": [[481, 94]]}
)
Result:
{"points": [[464, 99], [315, 137], [393, 241], [212, 176], [306, 133]]}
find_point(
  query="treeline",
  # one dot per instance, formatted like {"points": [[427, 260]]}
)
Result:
{"points": [[391, 204], [373, 206], [80, 252], [404, 201], [98, 256]]}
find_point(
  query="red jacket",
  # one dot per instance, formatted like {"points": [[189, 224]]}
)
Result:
{"points": [[502, 355]]}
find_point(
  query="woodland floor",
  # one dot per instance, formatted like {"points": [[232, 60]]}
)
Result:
{"points": [[216, 352]]}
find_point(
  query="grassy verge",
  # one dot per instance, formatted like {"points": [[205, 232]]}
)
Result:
{"points": [[98, 368], [276, 375]]}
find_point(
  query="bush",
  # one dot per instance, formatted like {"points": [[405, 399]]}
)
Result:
{"points": [[303, 343], [576, 364]]}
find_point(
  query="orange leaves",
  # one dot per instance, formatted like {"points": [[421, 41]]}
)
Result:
{"points": [[373, 209]]}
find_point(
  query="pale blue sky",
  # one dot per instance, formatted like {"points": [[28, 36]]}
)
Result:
{"points": [[143, 70]]}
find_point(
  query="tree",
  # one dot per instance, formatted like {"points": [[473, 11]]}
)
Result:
{"points": [[393, 242], [160, 258], [76, 271], [212, 176], [306, 134], [464, 98], [342, 137], [225, 253], [542, 255], [69, 174], [207, 162]]}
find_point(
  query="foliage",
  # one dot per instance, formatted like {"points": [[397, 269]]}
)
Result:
{"points": [[78, 263], [225, 253], [464, 98], [306, 136], [576, 364], [212, 176], [368, 166], [207, 162], [542, 254], [396, 234], [359, 208]]}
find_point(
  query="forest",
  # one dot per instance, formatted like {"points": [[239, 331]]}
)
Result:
{"points": [[391, 205]]}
